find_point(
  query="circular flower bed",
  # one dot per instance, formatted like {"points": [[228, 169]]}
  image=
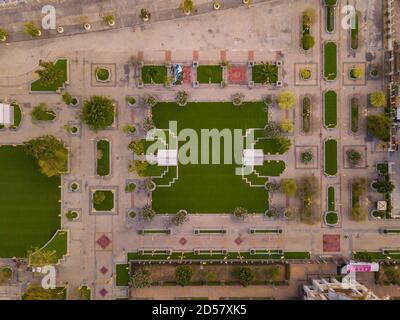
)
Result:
{"points": [[331, 218], [377, 214], [72, 215], [355, 73], [131, 101], [103, 74], [132, 214], [73, 130], [74, 186], [74, 101], [305, 74]]}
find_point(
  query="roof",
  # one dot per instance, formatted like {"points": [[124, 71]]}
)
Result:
{"points": [[5, 114]]}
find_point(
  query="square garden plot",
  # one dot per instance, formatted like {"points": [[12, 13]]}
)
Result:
{"points": [[103, 200], [209, 74], [30, 207], [209, 188]]}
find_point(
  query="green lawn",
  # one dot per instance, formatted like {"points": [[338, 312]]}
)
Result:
{"points": [[17, 115], [154, 74], [107, 204], [35, 292], [331, 198], [40, 85], [330, 18], [122, 274], [354, 114], [58, 244], [330, 61], [203, 188], [209, 74], [332, 218], [269, 146], [354, 35], [330, 109], [30, 207], [331, 163], [306, 114], [85, 293], [103, 158], [257, 74], [272, 168]]}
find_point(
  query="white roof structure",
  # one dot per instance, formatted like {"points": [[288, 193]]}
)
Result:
{"points": [[167, 157], [5, 114], [253, 157], [381, 205]]}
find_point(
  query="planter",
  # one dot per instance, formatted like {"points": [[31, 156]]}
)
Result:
{"points": [[305, 74], [217, 5], [152, 186], [74, 130], [131, 101], [60, 29], [331, 218], [187, 12], [74, 187], [87, 26], [2, 39], [72, 215], [111, 23], [103, 75]]}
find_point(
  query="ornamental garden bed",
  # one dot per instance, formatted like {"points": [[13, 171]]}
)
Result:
{"points": [[103, 158], [330, 160], [354, 33], [103, 200], [154, 231], [330, 61], [43, 86], [306, 114], [85, 293], [331, 198], [58, 245], [17, 116], [6, 274], [154, 74], [210, 231], [354, 113], [35, 292], [209, 74], [331, 218], [122, 274], [261, 231], [330, 109], [330, 19], [264, 73], [30, 203], [103, 74]]}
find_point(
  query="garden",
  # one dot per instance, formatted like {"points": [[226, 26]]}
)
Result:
{"points": [[331, 157], [52, 76], [103, 200], [330, 109], [152, 74], [354, 112], [264, 73], [103, 158], [330, 61], [330, 15], [30, 203], [52, 252], [209, 74]]}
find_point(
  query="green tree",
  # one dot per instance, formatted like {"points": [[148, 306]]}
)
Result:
{"points": [[245, 275], [307, 41], [289, 187], [354, 157], [67, 98], [50, 73], [384, 186], [3, 35], [379, 126], [140, 167], [147, 213], [32, 29], [51, 154], [137, 146], [99, 197], [283, 144], [180, 217], [183, 275], [129, 129], [287, 126], [240, 213], [286, 100], [141, 278], [98, 112], [267, 73], [377, 99], [306, 156]]}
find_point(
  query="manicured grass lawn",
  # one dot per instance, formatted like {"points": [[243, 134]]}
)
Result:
{"points": [[29, 203], [203, 188], [330, 18], [269, 146], [85, 293], [39, 85], [103, 158], [330, 61], [38, 293], [331, 157], [257, 74], [354, 114], [58, 244], [354, 35], [17, 115], [272, 168], [122, 274], [47, 116], [209, 74], [331, 198], [154, 74], [330, 109], [331, 217], [107, 204]]}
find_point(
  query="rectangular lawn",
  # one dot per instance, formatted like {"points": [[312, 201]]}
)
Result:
{"points": [[330, 109], [209, 74], [209, 188], [330, 61], [331, 162], [154, 74], [29, 214], [103, 158]]}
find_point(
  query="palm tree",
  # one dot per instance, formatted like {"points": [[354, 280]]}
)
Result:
{"points": [[266, 73]]}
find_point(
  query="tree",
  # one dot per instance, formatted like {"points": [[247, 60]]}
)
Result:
{"points": [[306, 156], [379, 126], [240, 213], [356, 73], [266, 73], [140, 167], [272, 129], [147, 213], [272, 186], [180, 217], [287, 100], [50, 73], [41, 112], [282, 144], [183, 275], [307, 41], [67, 98], [141, 278], [245, 275], [32, 29], [289, 187], [354, 157], [187, 6], [384, 186], [137, 146], [129, 129], [286, 126], [272, 273], [51, 154], [98, 112], [377, 99], [99, 197]]}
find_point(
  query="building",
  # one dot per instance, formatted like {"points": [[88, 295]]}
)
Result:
{"points": [[332, 289]]}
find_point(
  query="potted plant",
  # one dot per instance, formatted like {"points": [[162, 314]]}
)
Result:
{"points": [[3, 35], [237, 99], [109, 19], [217, 4], [187, 7], [181, 98], [247, 2], [60, 29], [145, 14]]}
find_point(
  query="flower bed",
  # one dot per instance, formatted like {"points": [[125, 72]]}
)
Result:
{"points": [[103, 158], [331, 162], [306, 114], [330, 109], [331, 218]]}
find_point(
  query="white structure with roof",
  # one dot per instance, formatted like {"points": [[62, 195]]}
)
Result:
{"points": [[167, 157], [6, 114], [253, 157]]}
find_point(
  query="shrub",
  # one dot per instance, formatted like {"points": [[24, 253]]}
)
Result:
{"points": [[306, 156], [181, 98], [141, 278], [145, 14], [237, 99], [289, 187], [41, 113], [109, 18], [283, 144], [183, 275], [305, 73], [240, 213], [49, 73], [67, 98], [137, 146], [149, 100], [32, 29], [180, 217], [307, 41], [377, 99], [287, 126], [272, 186], [3, 34], [379, 126], [99, 197], [272, 129], [272, 273], [130, 187], [287, 100], [102, 74], [147, 213], [187, 6], [354, 157], [384, 186], [131, 100], [98, 112], [71, 215], [139, 166], [245, 275], [129, 129], [355, 73]]}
